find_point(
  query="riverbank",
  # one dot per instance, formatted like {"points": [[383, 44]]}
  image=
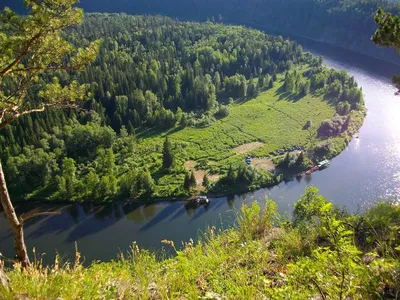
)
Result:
{"points": [[349, 182], [264, 256], [258, 127]]}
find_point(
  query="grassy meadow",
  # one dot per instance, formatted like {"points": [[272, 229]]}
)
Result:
{"points": [[274, 120]]}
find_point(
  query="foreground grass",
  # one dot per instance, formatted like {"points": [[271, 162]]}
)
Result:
{"points": [[322, 254]]}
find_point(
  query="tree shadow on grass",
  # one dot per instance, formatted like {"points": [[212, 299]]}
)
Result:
{"points": [[287, 96]]}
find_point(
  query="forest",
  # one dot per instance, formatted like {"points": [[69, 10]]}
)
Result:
{"points": [[164, 100], [346, 23], [156, 76]]}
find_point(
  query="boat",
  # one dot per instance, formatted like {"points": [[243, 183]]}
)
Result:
{"points": [[201, 200], [323, 164], [312, 170]]}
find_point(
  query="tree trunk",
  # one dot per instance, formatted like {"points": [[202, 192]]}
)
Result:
{"points": [[15, 223]]}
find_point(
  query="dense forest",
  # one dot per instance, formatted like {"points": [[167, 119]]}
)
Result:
{"points": [[155, 74], [347, 23]]}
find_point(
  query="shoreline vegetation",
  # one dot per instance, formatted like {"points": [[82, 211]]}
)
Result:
{"points": [[185, 122], [322, 252]]}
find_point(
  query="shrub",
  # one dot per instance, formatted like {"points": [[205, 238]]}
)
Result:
{"points": [[222, 112]]}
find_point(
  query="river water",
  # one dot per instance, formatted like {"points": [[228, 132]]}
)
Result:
{"points": [[367, 170]]}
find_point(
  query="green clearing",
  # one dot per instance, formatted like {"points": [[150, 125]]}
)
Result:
{"points": [[276, 119]]}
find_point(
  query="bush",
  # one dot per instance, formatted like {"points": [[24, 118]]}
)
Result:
{"points": [[222, 112], [307, 125]]}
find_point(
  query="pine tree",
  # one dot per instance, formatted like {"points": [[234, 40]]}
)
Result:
{"points": [[130, 128], [32, 45], [168, 158], [192, 181], [286, 160], [186, 182], [300, 159], [206, 181], [271, 84]]}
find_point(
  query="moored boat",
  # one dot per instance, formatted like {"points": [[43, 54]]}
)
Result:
{"points": [[323, 164], [201, 200], [312, 170]]}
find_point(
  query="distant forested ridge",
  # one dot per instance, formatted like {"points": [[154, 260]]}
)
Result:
{"points": [[155, 75], [346, 23]]}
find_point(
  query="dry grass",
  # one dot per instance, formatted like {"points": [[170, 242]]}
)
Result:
{"points": [[246, 148], [263, 163]]}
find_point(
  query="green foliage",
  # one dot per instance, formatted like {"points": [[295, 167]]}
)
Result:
{"points": [[206, 181], [387, 34], [33, 46], [222, 112], [177, 86], [168, 158], [190, 181], [254, 222]]}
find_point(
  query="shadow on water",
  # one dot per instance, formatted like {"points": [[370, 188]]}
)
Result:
{"points": [[102, 217], [200, 212], [56, 225], [178, 214], [165, 213]]}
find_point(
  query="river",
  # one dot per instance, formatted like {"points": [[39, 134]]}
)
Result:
{"points": [[367, 170]]}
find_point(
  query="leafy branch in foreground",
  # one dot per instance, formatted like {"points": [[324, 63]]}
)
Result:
{"points": [[32, 46]]}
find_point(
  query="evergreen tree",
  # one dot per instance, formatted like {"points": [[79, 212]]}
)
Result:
{"points": [[168, 157], [271, 84], [186, 181], [69, 175], [387, 34], [146, 182], [286, 161], [130, 128], [300, 159], [206, 181], [192, 180]]}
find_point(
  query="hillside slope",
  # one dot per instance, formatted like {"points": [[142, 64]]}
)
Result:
{"points": [[345, 23]]}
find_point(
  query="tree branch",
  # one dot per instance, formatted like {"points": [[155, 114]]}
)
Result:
{"points": [[17, 115], [319, 289], [20, 57], [25, 217]]}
